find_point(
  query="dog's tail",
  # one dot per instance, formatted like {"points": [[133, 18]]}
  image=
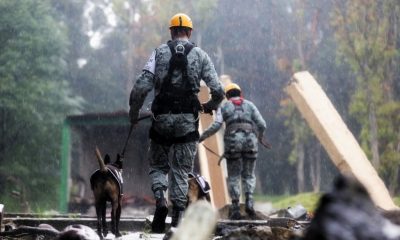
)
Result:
{"points": [[100, 160]]}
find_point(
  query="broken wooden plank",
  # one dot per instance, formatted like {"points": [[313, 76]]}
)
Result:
{"points": [[336, 138], [198, 222]]}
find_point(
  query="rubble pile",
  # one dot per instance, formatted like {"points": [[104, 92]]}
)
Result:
{"points": [[345, 213]]}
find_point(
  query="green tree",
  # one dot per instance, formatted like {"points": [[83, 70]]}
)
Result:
{"points": [[34, 100], [94, 70], [368, 38], [304, 42]]}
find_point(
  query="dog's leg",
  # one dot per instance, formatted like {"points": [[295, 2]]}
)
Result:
{"points": [[114, 209], [208, 198], [118, 217], [103, 218], [98, 214], [113, 218]]}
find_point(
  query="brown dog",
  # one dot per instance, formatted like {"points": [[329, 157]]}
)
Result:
{"points": [[106, 184], [199, 189]]}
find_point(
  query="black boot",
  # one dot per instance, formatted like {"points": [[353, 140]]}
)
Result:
{"points": [[158, 224], [234, 210], [250, 205], [177, 214]]}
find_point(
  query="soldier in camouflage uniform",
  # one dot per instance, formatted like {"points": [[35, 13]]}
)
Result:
{"points": [[174, 71], [243, 123]]}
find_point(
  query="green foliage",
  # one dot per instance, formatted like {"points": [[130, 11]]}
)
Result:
{"points": [[35, 99], [396, 200], [298, 128], [365, 32], [308, 200]]}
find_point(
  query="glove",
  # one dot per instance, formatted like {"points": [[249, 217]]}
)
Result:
{"points": [[133, 117], [201, 138], [260, 137], [206, 108]]}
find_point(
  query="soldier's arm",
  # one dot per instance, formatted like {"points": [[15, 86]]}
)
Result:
{"points": [[258, 120], [215, 126], [210, 77], [143, 85]]}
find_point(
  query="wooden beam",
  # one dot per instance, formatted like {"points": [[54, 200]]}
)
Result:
{"points": [[336, 138], [209, 161]]}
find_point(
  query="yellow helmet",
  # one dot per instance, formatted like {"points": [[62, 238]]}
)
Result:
{"points": [[232, 86], [181, 20]]}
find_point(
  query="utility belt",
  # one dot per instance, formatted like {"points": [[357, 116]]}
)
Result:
{"points": [[234, 127], [168, 141], [175, 103], [165, 103]]}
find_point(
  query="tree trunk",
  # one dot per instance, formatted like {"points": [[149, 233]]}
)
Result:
{"points": [[374, 136], [300, 167], [199, 38], [315, 168], [393, 181], [221, 60]]}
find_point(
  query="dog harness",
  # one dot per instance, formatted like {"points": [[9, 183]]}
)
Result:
{"points": [[115, 173], [204, 185]]}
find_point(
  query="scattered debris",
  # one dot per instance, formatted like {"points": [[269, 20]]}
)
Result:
{"points": [[1, 215], [224, 213], [297, 212], [46, 231]]}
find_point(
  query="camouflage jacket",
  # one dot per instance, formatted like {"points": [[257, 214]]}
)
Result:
{"points": [[246, 114], [200, 67]]}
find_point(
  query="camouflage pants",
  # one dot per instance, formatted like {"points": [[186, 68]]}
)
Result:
{"points": [[174, 162], [241, 169]]}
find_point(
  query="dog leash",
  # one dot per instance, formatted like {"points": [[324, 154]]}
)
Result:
{"points": [[126, 141], [265, 143], [130, 132], [216, 154]]}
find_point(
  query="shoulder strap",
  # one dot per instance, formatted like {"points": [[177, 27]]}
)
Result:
{"points": [[178, 60], [188, 47]]}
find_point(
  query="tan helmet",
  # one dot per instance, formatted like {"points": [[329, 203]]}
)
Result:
{"points": [[181, 20], [232, 86]]}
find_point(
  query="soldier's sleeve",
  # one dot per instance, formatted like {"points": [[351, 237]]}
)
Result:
{"points": [[210, 77], [258, 120], [143, 85], [215, 126]]}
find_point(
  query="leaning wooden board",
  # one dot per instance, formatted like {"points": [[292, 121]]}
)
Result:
{"points": [[338, 141]]}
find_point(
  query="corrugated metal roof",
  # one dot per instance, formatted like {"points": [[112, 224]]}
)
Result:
{"points": [[112, 118]]}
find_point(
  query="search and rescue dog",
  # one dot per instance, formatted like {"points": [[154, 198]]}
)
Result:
{"points": [[199, 188], [106, 184]]}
